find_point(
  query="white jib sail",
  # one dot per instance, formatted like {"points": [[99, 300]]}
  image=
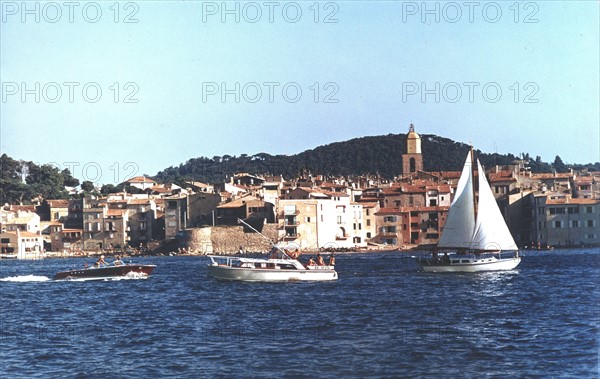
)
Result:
{"points": [[459, 226], [491, 231]]}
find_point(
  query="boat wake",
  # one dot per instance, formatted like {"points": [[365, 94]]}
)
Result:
{"points": [[25, 278]]}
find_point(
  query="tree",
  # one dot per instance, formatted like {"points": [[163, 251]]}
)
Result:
{"points": [[108, 189], [559, 166], [87, 186]]}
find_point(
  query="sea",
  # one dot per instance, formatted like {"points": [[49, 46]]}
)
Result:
{"points": [[383, 318]]}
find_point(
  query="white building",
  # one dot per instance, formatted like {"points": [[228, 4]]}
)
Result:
{"points": [[311, 218], [22, 245]]}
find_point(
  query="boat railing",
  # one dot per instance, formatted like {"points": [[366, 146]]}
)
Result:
{"points": [[223, 260]]}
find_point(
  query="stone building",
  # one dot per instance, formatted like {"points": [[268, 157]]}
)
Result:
{"points": [[412, 160]]}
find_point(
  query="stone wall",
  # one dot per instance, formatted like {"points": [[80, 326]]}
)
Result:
{"points": [[228, 239]]}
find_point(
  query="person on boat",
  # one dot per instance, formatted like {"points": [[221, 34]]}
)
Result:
{"points": [[446, 259], [311, 261], [332, 260], [320, 261], [118, 261], [100, 261]]}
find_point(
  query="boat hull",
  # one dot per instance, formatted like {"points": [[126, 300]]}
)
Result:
{"points": [[224, 272], [107, 273], [497, 265]]}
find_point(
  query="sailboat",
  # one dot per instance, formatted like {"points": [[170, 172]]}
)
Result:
{"points": [[475, 236]]}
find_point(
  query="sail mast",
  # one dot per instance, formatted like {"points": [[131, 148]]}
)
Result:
{"points": [[473, 168]]}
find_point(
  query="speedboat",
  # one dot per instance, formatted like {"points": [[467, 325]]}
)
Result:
{"points": [[108, 272], [278, 266]]}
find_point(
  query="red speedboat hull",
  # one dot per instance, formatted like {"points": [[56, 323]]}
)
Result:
{"points": [[110, 272]]}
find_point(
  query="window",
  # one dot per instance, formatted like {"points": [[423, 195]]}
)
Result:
{"points": [[573, 210], [368, 234], [590, 223], [557, 224], [306, 219], [339, 219], [575, 223], [368, 212], [368, 222], [588, 210]]}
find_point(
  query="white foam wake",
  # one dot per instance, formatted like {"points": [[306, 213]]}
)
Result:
{"points": [[25, 278]]}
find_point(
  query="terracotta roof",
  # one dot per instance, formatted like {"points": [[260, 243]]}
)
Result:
{"points": [[140, 179], [199, 184], [369, 204], [501, 176], [585, 179], [58, 203], [240, 202], [446, 174], [29, 234], [570, 200], [388, 211], [139, 201], [112, 202], [116, 212], [24, 208], [563, 175]]}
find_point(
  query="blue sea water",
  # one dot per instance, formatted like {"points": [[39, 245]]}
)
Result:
{"points": [[382, 318]]}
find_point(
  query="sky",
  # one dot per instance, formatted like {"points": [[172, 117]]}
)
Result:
{"points": [[116, 89]]}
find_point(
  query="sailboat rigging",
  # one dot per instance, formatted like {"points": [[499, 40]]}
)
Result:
{"points": [[475, 236]]}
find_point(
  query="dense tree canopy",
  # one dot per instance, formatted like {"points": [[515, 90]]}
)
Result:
{"points": [[367, 155], [22, 181]]}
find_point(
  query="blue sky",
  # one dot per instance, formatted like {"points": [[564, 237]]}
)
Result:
{"points": [[506, 76]]}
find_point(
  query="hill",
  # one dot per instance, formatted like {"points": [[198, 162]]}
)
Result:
{"points": [[366, 155]]}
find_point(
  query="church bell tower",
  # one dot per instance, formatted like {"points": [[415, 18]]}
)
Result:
{"points": [[412, 161]]}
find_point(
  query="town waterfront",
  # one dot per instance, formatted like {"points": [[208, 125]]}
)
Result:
{"points": [[382, 318]]}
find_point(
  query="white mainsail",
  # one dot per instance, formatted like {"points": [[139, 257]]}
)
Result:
{"points": [[459, 226], [487, 231], [491, 231]]}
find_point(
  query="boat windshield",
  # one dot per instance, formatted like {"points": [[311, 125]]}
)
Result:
{"points": [[277, 253]]}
